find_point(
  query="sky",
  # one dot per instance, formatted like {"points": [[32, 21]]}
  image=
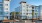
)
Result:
{"points": [[15, 3]]}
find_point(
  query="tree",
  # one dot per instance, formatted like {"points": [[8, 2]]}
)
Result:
{"points": [[12, 15]]}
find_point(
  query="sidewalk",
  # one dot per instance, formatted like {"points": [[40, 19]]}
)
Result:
{"points": [[28, 21]]}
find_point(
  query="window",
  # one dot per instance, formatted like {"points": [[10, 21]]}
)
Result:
{"points": [[26, 13], [27, 5], [1, 4], [33, 10], [1, 8], [27, 10], [36, 7], [23, 13], [36, 10], [24, 17], [32, 7], [30, 14], [6, 12], [6, 17], [23, 6], [6, 4], [6, 8], [1, 13], [36, 13]]}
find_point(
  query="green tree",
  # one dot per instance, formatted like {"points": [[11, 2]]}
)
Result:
{"points": [[12, 14]]}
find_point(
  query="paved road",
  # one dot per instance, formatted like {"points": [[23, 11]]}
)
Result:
{"points": [[25, 21], [29, 21], [38, 21]]}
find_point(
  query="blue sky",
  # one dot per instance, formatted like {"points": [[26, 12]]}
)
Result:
{"points": [[15, 3]]}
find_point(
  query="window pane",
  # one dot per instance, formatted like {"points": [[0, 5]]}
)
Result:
{"points": [[1, 4], [6, 4], [6, 12], [1, 13], [6, 9]]}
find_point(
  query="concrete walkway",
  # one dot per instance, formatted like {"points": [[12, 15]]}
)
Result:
{"points": [[28, 21]]}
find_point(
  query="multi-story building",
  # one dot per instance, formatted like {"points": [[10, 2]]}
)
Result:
{"points": [[1, 10], [36, 12], [28, 11], [5, 9], [25, 10], [40, 12], [6, 6]]}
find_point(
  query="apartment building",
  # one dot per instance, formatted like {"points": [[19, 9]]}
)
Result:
{"points": [[25, 10], [36, 12], [28, 11], [40, 12], [1, 10], [5, 9]]}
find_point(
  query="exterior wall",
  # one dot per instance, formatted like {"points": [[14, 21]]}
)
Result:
{"points": [[36, 13], [4, 9], [6, 6], [1, 11], [40, 12], [25, 10], [29, 12]]}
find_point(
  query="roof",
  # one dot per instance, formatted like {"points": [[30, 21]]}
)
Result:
{"points": [[22, 2], [8, 20]]}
